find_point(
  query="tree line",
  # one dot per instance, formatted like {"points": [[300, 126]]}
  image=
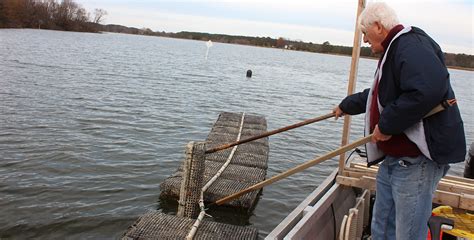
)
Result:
{"points": [[451, 59], [66, 15], [69, 16]]}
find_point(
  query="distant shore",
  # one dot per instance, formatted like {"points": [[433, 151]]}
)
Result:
{"points": [[450, 67], [461, 68], [457, 61], [376, 58], [268, 42]]}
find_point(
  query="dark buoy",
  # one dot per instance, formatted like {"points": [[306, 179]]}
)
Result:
{"points": [[249, 73], [469, 167]]}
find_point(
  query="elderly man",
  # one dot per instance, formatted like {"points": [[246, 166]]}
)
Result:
{"points": [[414, 153]]}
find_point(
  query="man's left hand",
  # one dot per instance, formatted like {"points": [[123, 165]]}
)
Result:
{"points": [[379, 136]]}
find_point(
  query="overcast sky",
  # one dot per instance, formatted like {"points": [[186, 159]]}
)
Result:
{"points": [[450, 23]]}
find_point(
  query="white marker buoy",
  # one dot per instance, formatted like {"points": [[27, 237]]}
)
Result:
{"points": [[209, 45]]}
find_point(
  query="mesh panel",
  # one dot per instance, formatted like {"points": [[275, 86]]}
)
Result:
{"points": [[220, 188], [232, 172], [190, 189], [240, 158], [156, 225], [248, 166]]}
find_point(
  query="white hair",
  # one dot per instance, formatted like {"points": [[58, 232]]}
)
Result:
{"points": [[378, 12]]}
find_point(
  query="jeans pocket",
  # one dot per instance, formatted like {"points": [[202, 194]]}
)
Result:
{"points": [[406, 162]]}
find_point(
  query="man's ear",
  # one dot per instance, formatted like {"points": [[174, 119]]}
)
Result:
{"points": [[379, 27]]}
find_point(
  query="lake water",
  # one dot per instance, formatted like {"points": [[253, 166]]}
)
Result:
{"points": [[91, 124]]}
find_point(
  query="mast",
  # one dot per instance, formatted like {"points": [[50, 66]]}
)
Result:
{"points": [[352, 81]]}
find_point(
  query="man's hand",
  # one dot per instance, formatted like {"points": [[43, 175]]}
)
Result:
{"points": [[379, 136], [337, 112]]}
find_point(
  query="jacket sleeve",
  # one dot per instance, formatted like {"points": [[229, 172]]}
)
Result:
{"points": [[423, 82], [355, 103]]}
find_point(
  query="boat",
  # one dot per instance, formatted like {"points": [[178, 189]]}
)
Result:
{"points": [[331, 210]]}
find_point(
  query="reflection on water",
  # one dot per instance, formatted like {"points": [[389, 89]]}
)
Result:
{"points": [[91, 124]]}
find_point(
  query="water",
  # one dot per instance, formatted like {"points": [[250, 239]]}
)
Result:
{"points": [[91, 124]]}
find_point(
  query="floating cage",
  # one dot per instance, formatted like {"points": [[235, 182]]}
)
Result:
{"points": [[248, 165]]}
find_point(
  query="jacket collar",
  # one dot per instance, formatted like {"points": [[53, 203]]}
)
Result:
{"points": [[391, 35]]}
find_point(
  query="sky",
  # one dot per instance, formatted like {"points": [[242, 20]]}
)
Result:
{"points": [[449, 22]]}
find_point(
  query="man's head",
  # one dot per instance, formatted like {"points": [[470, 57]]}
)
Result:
{"points": [[376, 21]]}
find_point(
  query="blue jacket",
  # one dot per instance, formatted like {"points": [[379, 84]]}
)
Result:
{"points": [[414, 80]]}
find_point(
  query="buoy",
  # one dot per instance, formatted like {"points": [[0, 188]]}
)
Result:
{"points": [[249, 73], [209, 45], [469, 167]]}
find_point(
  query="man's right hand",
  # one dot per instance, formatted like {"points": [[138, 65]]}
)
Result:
{"points": [[337, 112]]}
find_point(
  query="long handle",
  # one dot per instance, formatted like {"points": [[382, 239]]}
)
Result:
{"points": [[266, 134], [323, 158], [296, 169]]}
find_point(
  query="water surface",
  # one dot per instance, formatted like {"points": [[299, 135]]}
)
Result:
{"points": [[91, 124]]}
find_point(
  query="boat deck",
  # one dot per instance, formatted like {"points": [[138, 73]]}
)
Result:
{"points": [[453, 191]]}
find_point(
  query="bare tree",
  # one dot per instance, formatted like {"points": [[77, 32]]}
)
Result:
{"points": [[99, 15]]}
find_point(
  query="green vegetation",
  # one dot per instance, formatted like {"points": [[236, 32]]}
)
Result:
{"points": [[70, 16]]}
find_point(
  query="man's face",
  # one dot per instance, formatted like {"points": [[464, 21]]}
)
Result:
{"points": [[374, 35]]}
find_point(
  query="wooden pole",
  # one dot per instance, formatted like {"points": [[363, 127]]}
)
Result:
{"points": [[266, 134], [352, 82], [296, 169]]}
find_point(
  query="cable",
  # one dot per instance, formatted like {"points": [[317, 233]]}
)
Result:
{"points": [[196, 224]]}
